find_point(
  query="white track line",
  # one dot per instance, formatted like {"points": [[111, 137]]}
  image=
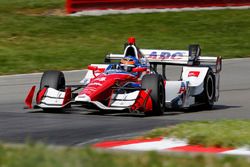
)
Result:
{"points": [[138, 10], [122, 136]]}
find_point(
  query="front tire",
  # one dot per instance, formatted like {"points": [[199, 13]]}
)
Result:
{"points": [[156, 84], [53, 79]]}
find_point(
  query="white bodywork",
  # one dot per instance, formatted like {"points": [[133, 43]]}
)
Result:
{"points": [[124, 100], [192, 77], [181, 93], [52, 99], [195, 82]]}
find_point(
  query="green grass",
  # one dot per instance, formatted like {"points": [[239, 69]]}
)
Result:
{"points": [[31, 43], [226, 133], [43, 156], [15, 5]]}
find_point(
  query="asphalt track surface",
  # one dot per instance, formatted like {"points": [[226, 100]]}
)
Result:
{"points": [[80, 126]]}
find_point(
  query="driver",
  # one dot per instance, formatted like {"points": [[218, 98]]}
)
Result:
{"points": [[128, 63]]}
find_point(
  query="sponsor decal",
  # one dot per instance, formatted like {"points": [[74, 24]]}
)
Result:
{"points": [[166, 55], [100, 79], [182, 88], [193, 73], [95, 84]]}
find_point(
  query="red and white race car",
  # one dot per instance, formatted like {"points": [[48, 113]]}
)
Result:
{"points": [[134, 83]]}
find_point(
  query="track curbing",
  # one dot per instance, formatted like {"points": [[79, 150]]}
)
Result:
{"points": [[168, 145]]}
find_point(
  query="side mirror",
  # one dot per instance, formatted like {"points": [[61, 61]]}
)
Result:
{"points": [[93, 68], [139, 69], [96, 70]]}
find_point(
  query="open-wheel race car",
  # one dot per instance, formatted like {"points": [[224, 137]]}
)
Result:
{"points": [[135, 81]]}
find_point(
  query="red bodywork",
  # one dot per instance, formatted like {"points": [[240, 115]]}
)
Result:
{"points": [[29, 98], [100, 88]]}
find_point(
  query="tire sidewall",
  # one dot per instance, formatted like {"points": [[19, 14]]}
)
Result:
{"points": [[156, 84], [53, 79], [210, 93], [209, 89]]}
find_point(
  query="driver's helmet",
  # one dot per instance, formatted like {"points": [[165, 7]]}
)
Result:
{"points": [[128, 63]]}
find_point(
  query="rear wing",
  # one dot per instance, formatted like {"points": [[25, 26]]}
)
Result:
{"points": [[189, 57], [181, 57]]}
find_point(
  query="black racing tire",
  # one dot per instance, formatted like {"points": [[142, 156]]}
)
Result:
{"points": [[207, 97], [53, 79], [156, 84]]}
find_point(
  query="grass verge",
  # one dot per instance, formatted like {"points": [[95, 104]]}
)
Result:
{"points": [[226, 133], [34, 40], [43, 156]]}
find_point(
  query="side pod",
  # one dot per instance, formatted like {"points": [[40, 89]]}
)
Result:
{"points": [[29, 98]]}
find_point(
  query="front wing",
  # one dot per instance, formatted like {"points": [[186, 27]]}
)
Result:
{"points": [[50, 98]]}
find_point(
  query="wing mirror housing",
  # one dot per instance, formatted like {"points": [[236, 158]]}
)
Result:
{"points": [[96, 70], [139, 69], [93, 68]]}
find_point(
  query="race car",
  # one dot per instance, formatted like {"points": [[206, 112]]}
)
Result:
{"points": [[135, 81]]}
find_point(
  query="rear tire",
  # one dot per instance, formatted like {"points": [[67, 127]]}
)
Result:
{"points": [[207, 97], [53, 79], [156, 84]]}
